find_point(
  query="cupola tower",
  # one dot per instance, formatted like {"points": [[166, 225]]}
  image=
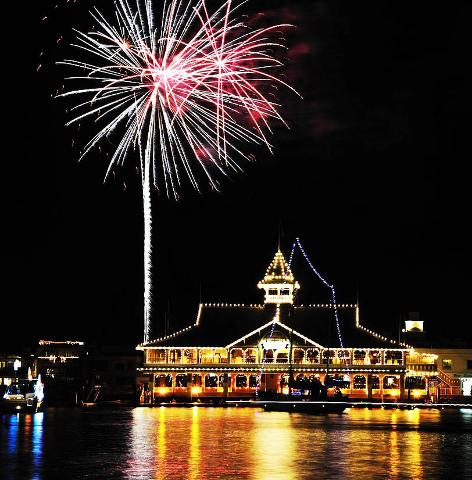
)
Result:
{"points": [[278, 283]]}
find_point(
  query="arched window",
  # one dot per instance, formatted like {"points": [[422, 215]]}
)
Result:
{"points": [[181, 380], [221, 355], [253, 381], [241, 381], [328, 354], [163, 381], [298, 355], [156, 355], [359, 357], [189, 355], [211, 380], [393, 357], [175, 356], [197, 380], [390, 381], [206, 355], [236, 355], [359, 382], [250, 355], [268, 356], [375, 357], [375, 381], [312, 356], [221, 380], [343, 356]]}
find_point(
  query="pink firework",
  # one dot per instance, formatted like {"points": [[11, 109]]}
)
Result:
{"points": [[186, 92]]}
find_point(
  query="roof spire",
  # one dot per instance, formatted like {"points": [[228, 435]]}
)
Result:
{"points": [[278, 282]]}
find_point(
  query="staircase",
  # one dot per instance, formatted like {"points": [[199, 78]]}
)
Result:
{"points": [[93, 395], [448, 386]]}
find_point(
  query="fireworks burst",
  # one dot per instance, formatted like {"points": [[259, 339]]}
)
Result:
{"points": [[185, 92]]}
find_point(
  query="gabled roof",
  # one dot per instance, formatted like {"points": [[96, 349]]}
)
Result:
{"points": [[221, 325]]}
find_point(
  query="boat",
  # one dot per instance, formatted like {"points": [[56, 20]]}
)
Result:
{"points": [[23, 396]]}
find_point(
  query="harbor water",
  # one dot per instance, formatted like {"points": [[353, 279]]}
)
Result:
{"points": [[236, 443]]}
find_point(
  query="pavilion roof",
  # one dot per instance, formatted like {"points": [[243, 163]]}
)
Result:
{"points": [[221, 325]]}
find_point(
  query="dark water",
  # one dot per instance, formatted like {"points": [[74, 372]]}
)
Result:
{"points": [[211, 443]]}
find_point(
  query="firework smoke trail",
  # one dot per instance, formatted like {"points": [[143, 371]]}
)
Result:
{"points": [[185, 93]]}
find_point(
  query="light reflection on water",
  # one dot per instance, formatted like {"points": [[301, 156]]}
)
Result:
{"points": [[234, 443]]}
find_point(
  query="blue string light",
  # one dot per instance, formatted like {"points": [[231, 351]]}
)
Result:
{"points": [[298, 244]]}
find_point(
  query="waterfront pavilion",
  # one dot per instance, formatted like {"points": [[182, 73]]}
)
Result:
{"points": [[237, 351]]}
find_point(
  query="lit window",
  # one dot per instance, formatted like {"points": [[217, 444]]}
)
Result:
{"points": [[241, 381], [447, 364], [359, 382]]}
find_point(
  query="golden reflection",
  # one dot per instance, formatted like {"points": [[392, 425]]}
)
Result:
{"points": [[394, 458], [413, 440], [207, 443], [161, 442], [273, 449], [194, 466]]}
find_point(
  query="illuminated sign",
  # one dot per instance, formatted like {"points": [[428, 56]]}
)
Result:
{"points": [[413, 326], [275, 344]]}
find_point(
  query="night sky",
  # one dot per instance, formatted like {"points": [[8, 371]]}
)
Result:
{"points": [[371, 176]]}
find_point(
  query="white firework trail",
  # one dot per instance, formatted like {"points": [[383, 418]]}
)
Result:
{"points": [[184, 93]]}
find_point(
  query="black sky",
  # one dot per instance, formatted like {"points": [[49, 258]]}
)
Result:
{"points": [[372, 176]]}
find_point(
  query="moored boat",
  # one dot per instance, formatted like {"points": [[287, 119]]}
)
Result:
{"points": [[23, 396]]}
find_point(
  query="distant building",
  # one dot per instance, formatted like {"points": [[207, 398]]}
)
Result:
{"points": [[74, 372], [14, 367], [110, 373], [60, 364], [237, 351]]}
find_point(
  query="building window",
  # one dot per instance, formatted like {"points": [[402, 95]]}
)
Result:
{"points": [[394, 357], [298, 355], [417, 383], [225, 378], [328, 355], [268, 356], [359, 357], [284, 291], [206, 355], [282, 357], [189, 356], [359, 382], [163, 381], [181, 380], [221, 355], [253, 381], [197, 380], [175, 356], [237, 355], [390, 382], [312, 356], [250, 355], [375, 357], [375, 382], [469, 364], [241, 381], [446, 364], [211, 380], [273, 291]]}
